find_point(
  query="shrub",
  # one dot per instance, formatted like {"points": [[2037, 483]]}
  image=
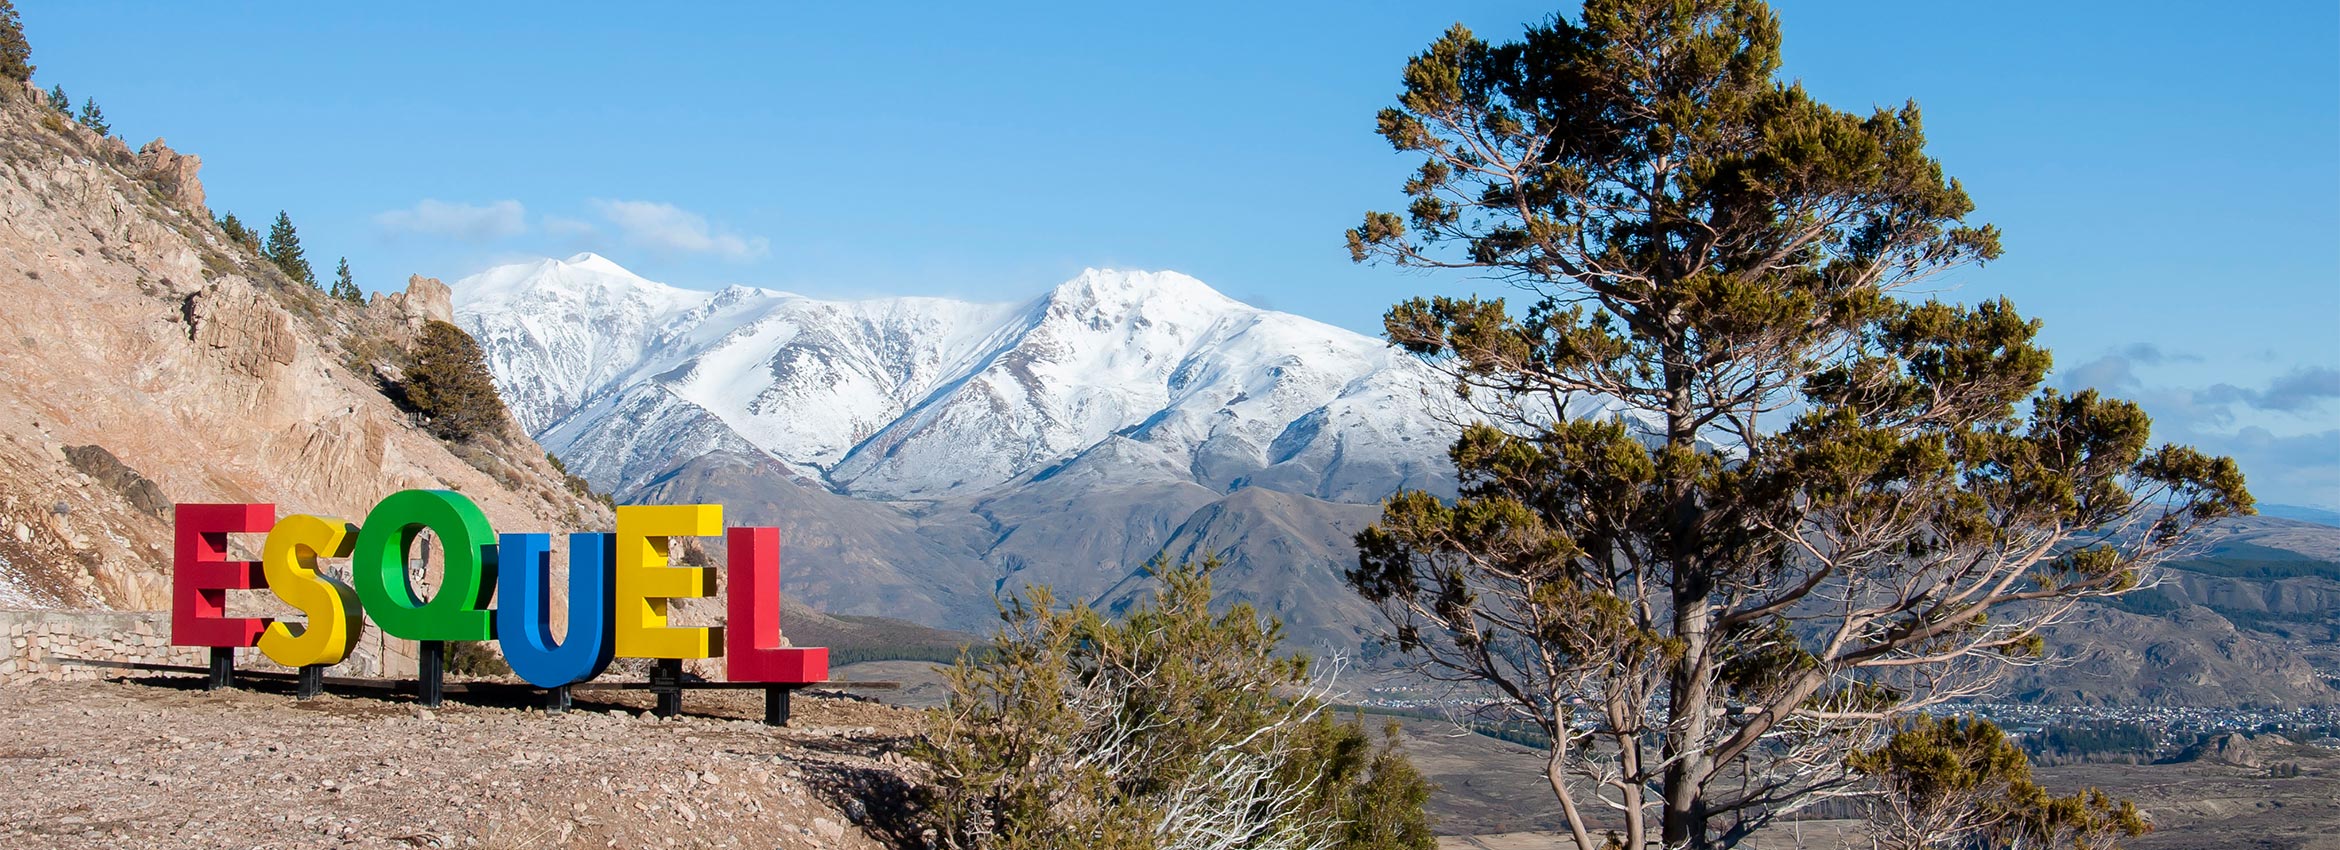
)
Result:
{"points": [[578, 485], [476, 658], [1954, 783], [448, 383], [1173, 728], [235, 230]]}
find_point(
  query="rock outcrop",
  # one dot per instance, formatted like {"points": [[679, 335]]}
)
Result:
{"points": [[173, 173], [2242, 749], [106, 469], [403, 314], [230, 322]]}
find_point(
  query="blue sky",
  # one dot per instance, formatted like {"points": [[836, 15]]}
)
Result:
{"points": [[2168, 175]]}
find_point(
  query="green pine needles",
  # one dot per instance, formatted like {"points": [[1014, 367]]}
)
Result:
{"points": [[1808, 507], [283, 248], [237, 232], [344, 286], [15, 53], [448, 384], [93, 117]]}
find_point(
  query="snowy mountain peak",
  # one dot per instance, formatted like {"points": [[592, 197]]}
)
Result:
{"points": [[926, 398], [597, 262], [584, 277], [1129, 287]]}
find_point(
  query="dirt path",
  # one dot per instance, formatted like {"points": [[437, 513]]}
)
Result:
{"points": [[154, 763]]}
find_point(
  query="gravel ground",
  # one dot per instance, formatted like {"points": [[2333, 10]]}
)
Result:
{"points": [[153, 762]]}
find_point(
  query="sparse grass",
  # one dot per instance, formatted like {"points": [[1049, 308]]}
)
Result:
{"points": [[486, 461], [578, 485]]}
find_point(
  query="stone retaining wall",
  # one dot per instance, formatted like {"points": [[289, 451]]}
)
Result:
{"points": [[34, 637]]}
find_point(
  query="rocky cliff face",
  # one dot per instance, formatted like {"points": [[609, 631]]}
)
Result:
{"points": [[150, 360]]}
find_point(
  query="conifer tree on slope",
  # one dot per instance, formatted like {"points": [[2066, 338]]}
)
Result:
{"points": [[344, 286], [15, 52], [447, 381], [1821, 508], [93, 117], [284, 249], [235, 230]]}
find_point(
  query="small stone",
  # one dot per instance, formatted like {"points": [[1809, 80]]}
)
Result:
{"points": [[425, 714], [827, 829]]}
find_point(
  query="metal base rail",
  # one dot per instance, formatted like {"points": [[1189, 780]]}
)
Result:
{"points": [[665, 679]]}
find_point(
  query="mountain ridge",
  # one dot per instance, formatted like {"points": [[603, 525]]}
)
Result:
{"points": [[922, 398]]}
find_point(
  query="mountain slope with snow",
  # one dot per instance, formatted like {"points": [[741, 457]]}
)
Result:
{"points": [[921, 455], [927, 399]]}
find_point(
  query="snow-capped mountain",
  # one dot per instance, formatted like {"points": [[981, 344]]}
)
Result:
{"points": [[926, 398], [921, 455]]}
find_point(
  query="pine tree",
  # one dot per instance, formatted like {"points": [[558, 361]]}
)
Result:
{"points": [[1812, 506], [448, 383], [236, 231], [58, 101], [344, 287], [284, 249], [15, 52], [93, 117]]}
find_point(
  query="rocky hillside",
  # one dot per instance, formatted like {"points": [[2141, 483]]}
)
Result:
{"points": [[152, 360], [2250, 618]]}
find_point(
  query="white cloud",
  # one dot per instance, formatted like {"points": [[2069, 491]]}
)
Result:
{"points": [[667, 227], [572, 228], [2279, 432], [468, 222]]}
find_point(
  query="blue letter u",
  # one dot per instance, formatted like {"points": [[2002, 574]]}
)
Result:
{"points": [[524, 607]]}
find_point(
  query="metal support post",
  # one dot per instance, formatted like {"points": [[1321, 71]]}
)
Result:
{"points": [[666, 682], [431, 672], [776, 704], [223, 669]]}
